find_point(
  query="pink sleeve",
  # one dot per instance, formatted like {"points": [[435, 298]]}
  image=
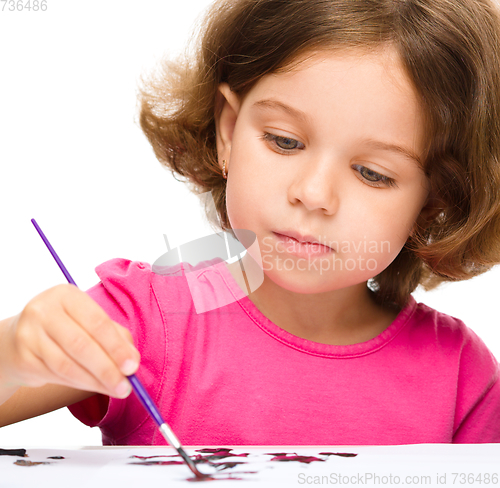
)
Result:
{"points": [[482, 425], [478, 395]]}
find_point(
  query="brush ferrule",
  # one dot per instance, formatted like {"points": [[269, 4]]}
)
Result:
{"points": [[170, 437]]}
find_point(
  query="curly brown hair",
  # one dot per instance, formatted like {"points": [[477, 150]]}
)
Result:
{"points": [[450, 51]]}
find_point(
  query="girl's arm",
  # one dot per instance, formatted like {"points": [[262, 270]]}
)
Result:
{"points": [[27, 403]]}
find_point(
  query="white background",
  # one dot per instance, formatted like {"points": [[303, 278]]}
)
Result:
{"points": [[73, 157]]}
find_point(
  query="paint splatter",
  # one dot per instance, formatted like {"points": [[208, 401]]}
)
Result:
{"points": [[343, 454], [209, 455], [220, 450], [285, 456], [212, 478], [300, 459], [216, 454], [13, 452], [152, 457], [22, 462], [229, 464], [198, 458], [157, 463], [222, 476]]}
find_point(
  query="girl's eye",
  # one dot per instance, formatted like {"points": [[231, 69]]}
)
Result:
{"points": [[283, 144], [373, 178]]}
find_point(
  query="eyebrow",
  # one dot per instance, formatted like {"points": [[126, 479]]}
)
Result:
{"points": [[275, 104], [271, 104], [384, 146]]}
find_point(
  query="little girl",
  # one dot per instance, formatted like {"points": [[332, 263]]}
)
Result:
{"points": [[360, 142]]}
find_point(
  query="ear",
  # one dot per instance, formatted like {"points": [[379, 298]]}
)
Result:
{"points": [[431, 209], [227, 107]]}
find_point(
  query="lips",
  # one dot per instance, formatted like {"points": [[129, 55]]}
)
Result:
{"points": [[303, 239]]}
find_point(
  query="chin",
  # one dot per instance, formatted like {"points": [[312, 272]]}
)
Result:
{"points": [[303, 282]]}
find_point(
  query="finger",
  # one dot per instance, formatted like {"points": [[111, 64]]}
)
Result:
{"points": [[105, 331], [125, 333], [80, 349], [66, 371], [34, 362], [69, 372]]}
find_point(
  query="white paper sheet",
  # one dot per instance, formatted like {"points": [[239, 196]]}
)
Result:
{"points": [[423, 464]]}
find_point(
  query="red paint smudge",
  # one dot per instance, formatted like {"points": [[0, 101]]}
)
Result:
{"points": [[157, 463], [343, 454], [300, 459]]}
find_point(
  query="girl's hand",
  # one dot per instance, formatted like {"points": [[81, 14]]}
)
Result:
{"points": [[63, 337]]}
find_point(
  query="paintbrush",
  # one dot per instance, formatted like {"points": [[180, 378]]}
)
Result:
{"points": [[137, 386]]}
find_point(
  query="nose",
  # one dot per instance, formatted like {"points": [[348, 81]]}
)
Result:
{"points": [[316, 189]]}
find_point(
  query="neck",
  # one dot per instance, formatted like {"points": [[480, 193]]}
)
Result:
{"points": [[339, 317]]}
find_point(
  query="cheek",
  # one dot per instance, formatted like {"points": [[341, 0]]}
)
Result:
{"points": [[247, 192], [375, 241], [370, 254], [396, 217], [234, 206], [241, 201]]}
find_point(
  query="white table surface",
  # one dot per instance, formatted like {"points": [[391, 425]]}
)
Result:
{"points": [[421, 464]]}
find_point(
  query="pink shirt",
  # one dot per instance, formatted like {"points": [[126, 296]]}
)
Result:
{"points": [[232, 377]]}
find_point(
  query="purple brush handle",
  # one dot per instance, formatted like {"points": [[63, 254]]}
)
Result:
{"points": [[145, 399], [139, 389], [54, 254]]}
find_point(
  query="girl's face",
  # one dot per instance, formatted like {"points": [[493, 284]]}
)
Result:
{"points": [[326, 152]]}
